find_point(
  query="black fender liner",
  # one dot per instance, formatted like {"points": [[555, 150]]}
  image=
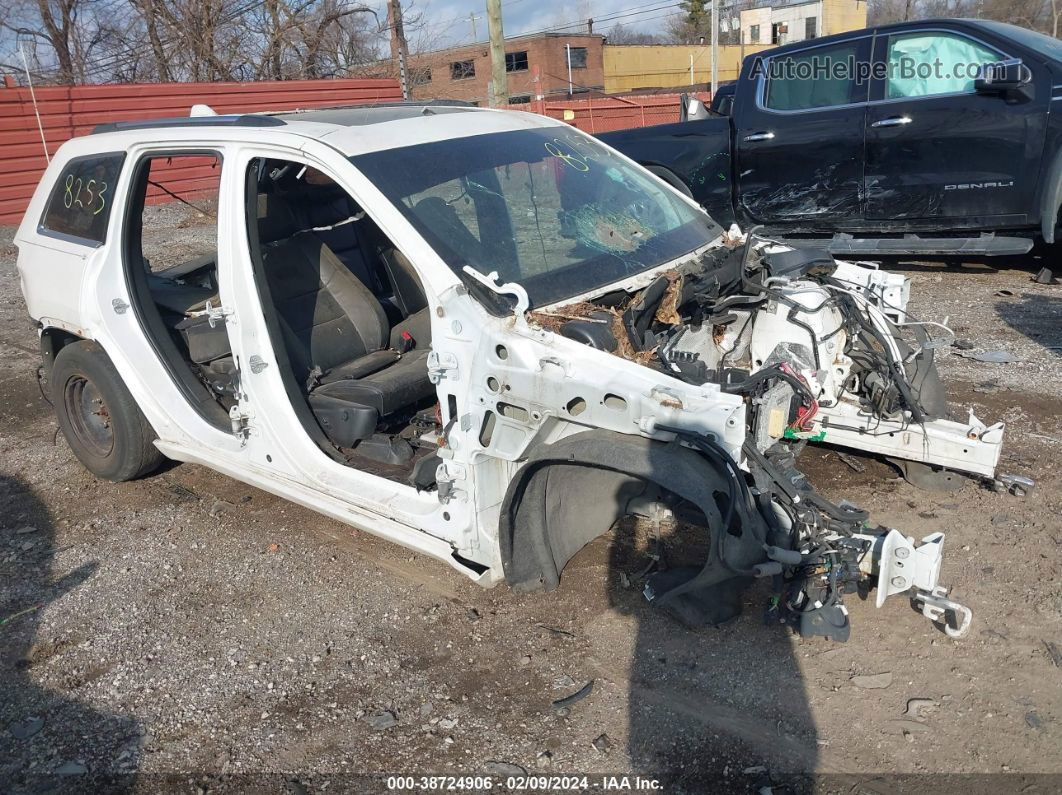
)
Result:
{"points": [[571, 492]]}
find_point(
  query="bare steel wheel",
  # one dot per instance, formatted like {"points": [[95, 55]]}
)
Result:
{"points": [[99, 417], [89, 417]]}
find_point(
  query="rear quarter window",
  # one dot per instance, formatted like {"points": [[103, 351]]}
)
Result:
{"points": [[80, 202]]}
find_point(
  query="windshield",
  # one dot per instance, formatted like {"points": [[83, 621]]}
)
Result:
{"points": [[549, 209]]}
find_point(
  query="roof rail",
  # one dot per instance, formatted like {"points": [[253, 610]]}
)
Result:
{"points": [[408, 103], [244, 120]]}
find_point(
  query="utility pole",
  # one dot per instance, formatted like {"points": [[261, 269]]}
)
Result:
{"points": [[472, 18], [715, 46], [498, 93], [399, 49]]}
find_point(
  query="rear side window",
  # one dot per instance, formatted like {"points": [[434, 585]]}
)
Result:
{"points": [[80, 204], [818, 78]]}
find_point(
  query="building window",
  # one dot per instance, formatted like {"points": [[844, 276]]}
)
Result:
{"points": [[578, 57], [516, 61], [811, 27], [420, 75], [754, 34], [523, 99], [462, 70]]}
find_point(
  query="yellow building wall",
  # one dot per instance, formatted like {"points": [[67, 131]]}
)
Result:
{"points": [[841, 16], [632, 66]]}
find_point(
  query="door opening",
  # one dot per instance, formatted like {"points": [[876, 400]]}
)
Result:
{"points": [[171, 266], [348, 321]]}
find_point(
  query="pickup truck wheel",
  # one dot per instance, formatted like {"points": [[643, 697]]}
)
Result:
{"points": [[99, 417], [671, 178]]}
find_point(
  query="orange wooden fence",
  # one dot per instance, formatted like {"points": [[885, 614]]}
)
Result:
{"points": [[66, 111]]}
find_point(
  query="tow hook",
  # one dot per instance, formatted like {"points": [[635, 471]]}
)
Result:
{"points": [[935, 606], [901, 565], [1018, 485]]}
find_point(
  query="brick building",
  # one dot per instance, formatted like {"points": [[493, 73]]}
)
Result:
{"points": [[464, 72]]}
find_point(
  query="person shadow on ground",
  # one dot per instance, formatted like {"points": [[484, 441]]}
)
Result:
{"points": [[711, 708], [49, 740]]}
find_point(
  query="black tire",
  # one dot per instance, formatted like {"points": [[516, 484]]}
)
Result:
{"points": [[671, 178], [98, 416]]}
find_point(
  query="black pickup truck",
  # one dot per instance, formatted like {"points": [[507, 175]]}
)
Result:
{"points": [[934, 137]]}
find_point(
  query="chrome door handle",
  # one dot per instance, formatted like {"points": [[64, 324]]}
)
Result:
{"points": [[760, 136], [892, 121]]}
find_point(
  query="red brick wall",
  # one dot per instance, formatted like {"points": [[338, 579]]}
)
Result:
{"points": [[547, 54], [67, 111]]}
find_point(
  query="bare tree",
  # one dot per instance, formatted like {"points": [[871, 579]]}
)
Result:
{"points": [[75, 41], [620, 34]]}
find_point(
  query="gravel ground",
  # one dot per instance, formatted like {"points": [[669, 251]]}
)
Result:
{"points": [[188, 632]]}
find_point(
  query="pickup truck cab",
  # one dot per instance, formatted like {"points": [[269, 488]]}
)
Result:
{"points": [[912, 138]]}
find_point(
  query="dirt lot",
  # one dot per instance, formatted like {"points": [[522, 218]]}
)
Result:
{"points": [[189, 630]]}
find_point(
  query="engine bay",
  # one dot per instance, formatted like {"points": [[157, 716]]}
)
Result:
{"points": [[819, 350]]}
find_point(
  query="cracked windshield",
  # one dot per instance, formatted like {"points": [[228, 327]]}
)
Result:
{"points": [[549, 209]]}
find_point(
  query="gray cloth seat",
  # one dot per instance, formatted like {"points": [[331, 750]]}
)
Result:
{"points": [[336, 334]]}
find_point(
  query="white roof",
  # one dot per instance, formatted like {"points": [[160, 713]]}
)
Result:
{"points": [[354, 130]]}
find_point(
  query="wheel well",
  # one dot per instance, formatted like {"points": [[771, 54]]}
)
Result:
{"points": [[670, 177], [573, 491], [54, 340]]}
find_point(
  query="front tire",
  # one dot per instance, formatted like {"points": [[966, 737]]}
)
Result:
{"points": [[99, 417]]}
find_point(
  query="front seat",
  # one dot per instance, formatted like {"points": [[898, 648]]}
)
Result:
{"points": [[336, 333]]}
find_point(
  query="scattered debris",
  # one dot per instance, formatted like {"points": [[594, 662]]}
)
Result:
{"points": [[563, 682], [1004, 293], [26, 729], [473, 615], [426, 708], [525, 660], [752, 771], [992, 357], [1033, 720], [219, 506], [71, 769], [1045, 276], [602, 743], [916, 705], [873, 681], [1054, 653], [447, 723], [579, 695], [384, 719], [545, 759], [556, 630], [963, 345], [24, 530], [853, 463], [13, 616], [503, 769]]}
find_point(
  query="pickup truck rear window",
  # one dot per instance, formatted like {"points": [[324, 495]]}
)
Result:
{"points": [[80, 204], [807, 80]]}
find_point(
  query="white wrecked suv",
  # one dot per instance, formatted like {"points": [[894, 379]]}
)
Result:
{"points": [[488, 337]]}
